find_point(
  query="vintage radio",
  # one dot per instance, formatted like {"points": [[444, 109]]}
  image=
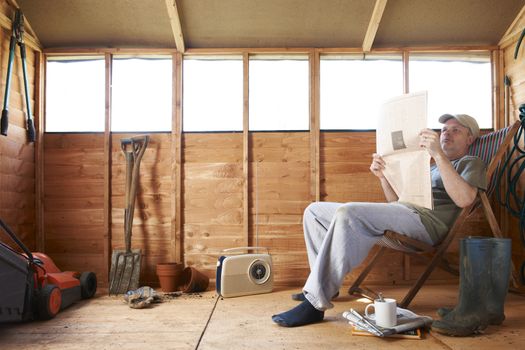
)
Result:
{"points": [[240, 272]]}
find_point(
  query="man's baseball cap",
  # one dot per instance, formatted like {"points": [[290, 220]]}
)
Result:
{"points": [[465, 120]]}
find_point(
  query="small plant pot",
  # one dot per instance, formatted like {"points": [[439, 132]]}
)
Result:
{"points": [[192, 280], [169, 275]]}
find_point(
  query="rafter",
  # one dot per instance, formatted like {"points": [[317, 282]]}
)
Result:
{"points": [[173, 14], [32, 38], [31, 41], [373, 25], [511, 33]]}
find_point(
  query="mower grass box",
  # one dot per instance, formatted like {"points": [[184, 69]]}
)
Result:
{"points": [[14, 285]]}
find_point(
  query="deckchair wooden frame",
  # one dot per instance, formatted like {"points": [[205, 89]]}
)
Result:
{"points": [[435, 254]]}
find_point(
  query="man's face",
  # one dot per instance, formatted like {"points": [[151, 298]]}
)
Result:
{"points": [[455, 139]]}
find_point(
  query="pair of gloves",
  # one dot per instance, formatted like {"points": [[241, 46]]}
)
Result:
{"points": [[142, 297]]}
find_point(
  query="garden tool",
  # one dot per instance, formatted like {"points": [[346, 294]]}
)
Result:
{"points": [[125, 264], [17, 37], [471, 314], [499, 280]]}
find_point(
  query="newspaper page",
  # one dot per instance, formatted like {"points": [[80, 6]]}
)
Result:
{"points": [[407, 165], [406, 321]]}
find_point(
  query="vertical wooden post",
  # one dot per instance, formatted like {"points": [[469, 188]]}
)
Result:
{"points": [[39, 151], [406, 77], [176, 154], [246, 149], [315, 171], [497, 61], [406, 90], [500, 121], [107, 162]]}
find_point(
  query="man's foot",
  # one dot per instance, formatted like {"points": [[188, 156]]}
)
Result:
{"points": [[300, 315], [301, 297]]}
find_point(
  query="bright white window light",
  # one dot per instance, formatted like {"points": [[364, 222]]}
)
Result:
{"points": [[456, 83], [279, 94], [353, 88], [212, 94], [75, 95], [141, 94]]}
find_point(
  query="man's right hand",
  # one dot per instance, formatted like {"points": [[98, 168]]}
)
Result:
{"points": [[377, 166]]}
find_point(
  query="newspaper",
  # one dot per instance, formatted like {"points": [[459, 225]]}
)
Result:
{"points": [[407, 166], [406, 321]]}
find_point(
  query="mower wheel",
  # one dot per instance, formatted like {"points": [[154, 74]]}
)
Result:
{"points": [[88, 284], [49, 302]]}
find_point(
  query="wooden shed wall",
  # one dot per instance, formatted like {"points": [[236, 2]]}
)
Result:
{"points": [[17, 156], [514, 68], [212, 199]]}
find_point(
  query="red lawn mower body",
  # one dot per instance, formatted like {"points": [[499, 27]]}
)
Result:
{"points": [[32, 286]]}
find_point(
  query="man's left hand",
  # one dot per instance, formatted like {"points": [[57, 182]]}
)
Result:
{"points": [[429, 139]]}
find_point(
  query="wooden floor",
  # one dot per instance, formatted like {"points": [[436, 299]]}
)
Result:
{"points": [[208, 322]]}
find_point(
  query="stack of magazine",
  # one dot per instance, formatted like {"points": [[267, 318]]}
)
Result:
{"points": [[409, 324]]}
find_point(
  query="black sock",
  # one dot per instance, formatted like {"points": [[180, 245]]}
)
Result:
{"points": [[301, 315]]}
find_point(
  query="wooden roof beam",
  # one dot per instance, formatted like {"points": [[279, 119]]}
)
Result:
{"points": [[512, 33], [373, 25], [173, 14], [31, 41], [33, 38]]}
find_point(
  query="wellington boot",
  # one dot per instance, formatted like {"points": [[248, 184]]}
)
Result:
{"points": [[500, 277], [470, 314]]}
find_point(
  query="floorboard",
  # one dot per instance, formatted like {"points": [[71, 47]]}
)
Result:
{"points": [[203, 321]]}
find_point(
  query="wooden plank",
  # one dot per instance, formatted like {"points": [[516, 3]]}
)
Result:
{"points": [[20, 167], [208, 171], [406, 72], [214, 216], [373, 25], [173, 14], [31, 41], [511, 33], [246, 147], [315, 112], [39, 151], [176, 157]]}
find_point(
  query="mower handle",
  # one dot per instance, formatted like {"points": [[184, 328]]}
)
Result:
{"points": [[18, 241]]}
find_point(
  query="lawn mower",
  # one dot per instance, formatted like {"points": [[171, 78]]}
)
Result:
{"points": [[33, 287]]}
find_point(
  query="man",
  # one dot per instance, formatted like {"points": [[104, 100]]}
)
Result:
{"points": [[339, 236]]}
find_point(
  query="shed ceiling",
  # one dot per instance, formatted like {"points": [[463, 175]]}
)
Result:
{"points": [[268, 23]]}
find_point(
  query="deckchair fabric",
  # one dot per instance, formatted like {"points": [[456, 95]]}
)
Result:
{"points": [[485, 147], [490, 148]]}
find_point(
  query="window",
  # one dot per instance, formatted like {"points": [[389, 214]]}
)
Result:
{"points": [[353, 88], [456, 83], [279, 93], [141, 94], [212, 94], [75, 98]]}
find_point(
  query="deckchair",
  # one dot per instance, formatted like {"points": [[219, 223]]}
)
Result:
{"points": [[490, 148]]}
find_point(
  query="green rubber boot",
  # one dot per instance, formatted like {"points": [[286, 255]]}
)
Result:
{"points": [[500, 277], [470, 314]]}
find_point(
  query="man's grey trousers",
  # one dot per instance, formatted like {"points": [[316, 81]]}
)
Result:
{"points": [[339, 237]]}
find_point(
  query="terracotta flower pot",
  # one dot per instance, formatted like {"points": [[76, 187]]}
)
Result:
{"points": [[169, 275], [192, 280]]}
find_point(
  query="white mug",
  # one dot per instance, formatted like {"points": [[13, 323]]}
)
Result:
{"points": [[385, 312]]}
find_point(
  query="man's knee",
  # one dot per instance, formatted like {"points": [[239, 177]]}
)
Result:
{"points": [[348, 210], [356, 213], [312, 209]]}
